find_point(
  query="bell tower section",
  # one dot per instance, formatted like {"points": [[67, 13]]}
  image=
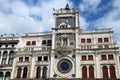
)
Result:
{"points": [[65, 29], [64, 42]]}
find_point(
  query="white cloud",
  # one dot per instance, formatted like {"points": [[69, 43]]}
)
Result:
{"points": [[19, 8], [15, 15], [111, 19], [89, 5], [83, 23]]}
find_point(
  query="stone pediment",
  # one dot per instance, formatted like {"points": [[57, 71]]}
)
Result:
{"points": [[63, 50]]}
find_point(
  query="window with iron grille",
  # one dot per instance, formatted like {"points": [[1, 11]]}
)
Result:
{"points": [[33, 42], [20, 59], [106, 40], [83, 57], [100, 40], [45, 58], [110, 57], [49, 43], [88, 40], [28, 43], [43, 41], [82, 40], [103, 57], [90, 57], [39, 58]]}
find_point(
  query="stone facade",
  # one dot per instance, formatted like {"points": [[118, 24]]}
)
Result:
{"points": [[65, 53]]}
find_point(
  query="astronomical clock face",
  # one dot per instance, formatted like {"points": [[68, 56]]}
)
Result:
{"points": [[64, 66], [70, 21]]}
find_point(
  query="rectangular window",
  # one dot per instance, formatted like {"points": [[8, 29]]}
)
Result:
{"points": [[33, 42], [106, 40], [82, 40], [103, 57], [110, 57], [20, 59], [83, 57], [40, 58], [100, 40], [44, 42], [90, 57], [88, 40], [45, 58], [28, 43], [26, 59], [49, 43]]}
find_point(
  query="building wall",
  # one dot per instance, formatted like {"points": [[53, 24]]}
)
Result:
{"points": [[67, 52]]}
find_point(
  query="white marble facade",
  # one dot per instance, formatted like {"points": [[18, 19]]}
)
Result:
{"points": [[66, 52]]}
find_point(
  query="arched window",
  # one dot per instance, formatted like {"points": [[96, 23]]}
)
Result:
{"points": [[1, 75], [105, 72], [44, 75], [84, 72], [7, 76], [25, 72], [19, 70], [91, 72], [112, 72], [11, 57], [4, 57], [38, 72]]}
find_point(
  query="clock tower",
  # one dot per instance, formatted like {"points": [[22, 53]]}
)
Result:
{"points": [[64, 43]]}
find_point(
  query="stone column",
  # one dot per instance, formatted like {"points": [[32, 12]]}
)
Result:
{"points": [[3, 76], [53, 39], [41, 72], [22, 72], [108, 67], [32, 72], [77, 66], [97, 66], [117, 70], [76, 31], [87, 71], [7, 61], [77, 20], [14, 68], [1, 57], [51, 65]]}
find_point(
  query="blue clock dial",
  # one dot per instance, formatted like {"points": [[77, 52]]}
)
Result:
{"points": [[64, 66]]}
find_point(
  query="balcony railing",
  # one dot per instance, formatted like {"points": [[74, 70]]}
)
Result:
{"points": [[101, 46], [34, 48]]}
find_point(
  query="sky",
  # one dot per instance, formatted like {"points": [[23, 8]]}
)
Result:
{"points": [[29, 16]]}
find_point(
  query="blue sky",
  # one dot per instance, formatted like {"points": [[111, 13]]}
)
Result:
{"points": [[24, 16]]}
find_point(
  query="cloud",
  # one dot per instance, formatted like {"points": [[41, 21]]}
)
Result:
{"points": [[19, 8], [111, 19], [19, 16], [89, 5], [83, 23]]}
